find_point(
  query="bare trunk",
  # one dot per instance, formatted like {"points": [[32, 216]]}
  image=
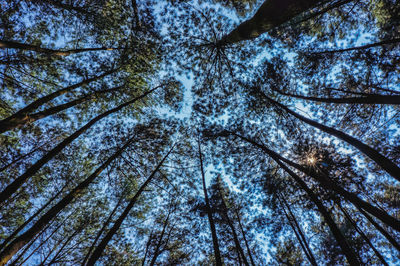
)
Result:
{"points": [[370, 99], [271, 14], [329, 185], [233, 230], [22, 226], [355, 226], [245, 239], [362, 47], [381, 230], [297, 229], [22, 46], [381, 160], [100, 248], [20, 241], [30, 118], [17, 183], [346, 249], [21, 114], [217, 253], [157, 250], [102, 229]]}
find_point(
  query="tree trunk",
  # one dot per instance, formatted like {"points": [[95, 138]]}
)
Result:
{"points": [[244, 238], [20, 115], [346, 249], [297, 230], [30, 118], [43, 242], [20, 241], [361, 233], [217, 253], [147, 247], [329, 185], [230, 224], [362, 47], [62, 247], [271, 14], [22, 226], [22, 46], [381, 230], [156, 252], [381, 160], [370, 99], [11, 188], [102, 229], [100, 248]]}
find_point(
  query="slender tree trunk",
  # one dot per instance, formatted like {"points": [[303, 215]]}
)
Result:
{"points": [[27, 247], [324, 10], [361, 233], [381, 160], [20, 115], [297, 229], [217, 253], [271, 14], [100, 248], [370, 99], [156, 252], [22, 46], [362, 47], [43, 242], [20, 241], [30, 219], [30, 118], [17, 183], [102, 229], [230, 224], [23, 156], [244, 238], [147, 247], [346, 249], [62, 247], [329, 185], [381, 230]]}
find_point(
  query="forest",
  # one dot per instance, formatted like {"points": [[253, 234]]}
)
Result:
{"points": [[203, 132]]}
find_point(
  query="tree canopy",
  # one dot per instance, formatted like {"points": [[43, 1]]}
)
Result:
{"points": [[207, 132]]}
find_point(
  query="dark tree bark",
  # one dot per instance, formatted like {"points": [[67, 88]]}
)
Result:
{"points": [[21, 240], [20, 116], [244, 238], [346, 249], [271, 14], [233, 230], [157, 250], [30, 118], [147, 247], [30, 219], [100, 248], [381, 160], [17, 183], [362, 47], [370, 99], [297, 230], [101, 231], [381, 230], [361, 233], [329, 185], [217, 252], [22, 46]]}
